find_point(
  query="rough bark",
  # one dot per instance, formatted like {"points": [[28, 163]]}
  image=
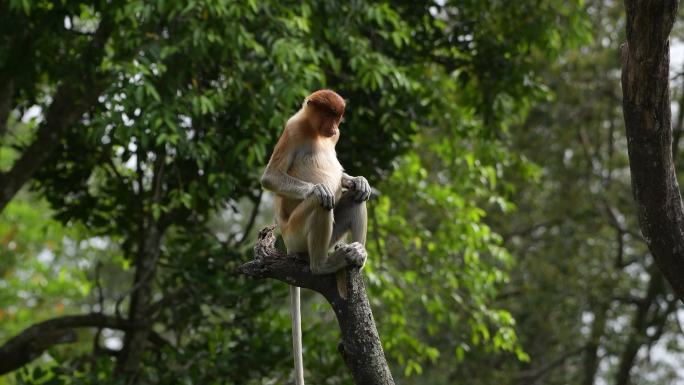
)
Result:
{"points": [[33, 341], [646, 110], [360, 346]]}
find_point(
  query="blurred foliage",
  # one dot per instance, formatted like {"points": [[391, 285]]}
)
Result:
{"points": [[39, 276], [583, 274], [464, 115]]}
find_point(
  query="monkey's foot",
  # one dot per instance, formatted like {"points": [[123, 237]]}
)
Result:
{"points": [[354, 253]]}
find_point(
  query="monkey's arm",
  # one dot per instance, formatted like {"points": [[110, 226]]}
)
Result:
{"points": [[281, 183], [275, 176], [358, 184]]}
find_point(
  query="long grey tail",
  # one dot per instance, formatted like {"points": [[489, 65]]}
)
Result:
{"points": [[295, 309]]}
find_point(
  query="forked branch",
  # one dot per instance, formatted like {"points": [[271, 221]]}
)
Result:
{"points": [[360, 346]]}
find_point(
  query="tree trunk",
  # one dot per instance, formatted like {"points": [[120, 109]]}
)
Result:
{"points": [[646, 109], [139, 309], [360, 346], [591, 358], [640, 323]]}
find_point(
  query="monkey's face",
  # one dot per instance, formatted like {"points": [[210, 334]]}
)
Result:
{"points": [[330, 127], [324, 117]]}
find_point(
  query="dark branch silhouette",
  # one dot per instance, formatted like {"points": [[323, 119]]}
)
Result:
{"points": [[34, 340]]}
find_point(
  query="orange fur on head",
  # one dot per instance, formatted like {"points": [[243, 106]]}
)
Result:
{"points": [[327, 101]]}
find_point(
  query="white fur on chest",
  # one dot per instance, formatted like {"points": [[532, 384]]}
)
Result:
{"points": [[318, 165]]}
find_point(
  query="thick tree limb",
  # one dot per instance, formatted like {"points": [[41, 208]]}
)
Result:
{"points": [[646, 109], [33, 341], [69, 105], [360, 346], [73, 98]]}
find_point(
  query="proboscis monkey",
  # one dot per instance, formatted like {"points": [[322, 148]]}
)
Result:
{"points": [[316, 201]]}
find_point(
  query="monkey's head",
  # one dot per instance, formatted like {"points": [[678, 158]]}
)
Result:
{"points": [[326, 110]]}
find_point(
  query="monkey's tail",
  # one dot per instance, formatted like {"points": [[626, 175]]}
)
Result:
{"points": [[295, 309]]}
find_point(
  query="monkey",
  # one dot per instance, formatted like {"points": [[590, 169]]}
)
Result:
{"points": [[316, 202]]}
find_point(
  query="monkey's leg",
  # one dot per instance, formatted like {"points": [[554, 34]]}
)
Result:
{"points": [[309, 229], [350, 216]]}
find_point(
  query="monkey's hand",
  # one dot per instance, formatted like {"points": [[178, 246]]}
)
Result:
{"points": [[361, 188], [324, 195], [354, 253]]}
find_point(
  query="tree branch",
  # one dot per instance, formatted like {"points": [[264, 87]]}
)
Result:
{"points": [[646, 110], [252, 218], [292, 269], [72, 99], [360, 346], [139, 308], [638, 334], [34, 340], [532, 376]]}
